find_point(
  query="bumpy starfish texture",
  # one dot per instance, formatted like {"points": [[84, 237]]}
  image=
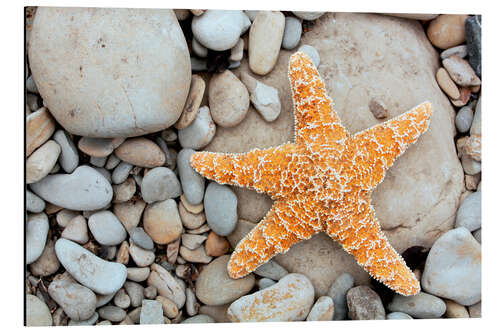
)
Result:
{"points": [[322, 182]]}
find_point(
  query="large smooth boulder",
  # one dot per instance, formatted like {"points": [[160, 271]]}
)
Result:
{"points": [[110, 72], [365, 57]]}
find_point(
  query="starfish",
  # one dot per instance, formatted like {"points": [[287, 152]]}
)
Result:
{"points": [[321, 183]]}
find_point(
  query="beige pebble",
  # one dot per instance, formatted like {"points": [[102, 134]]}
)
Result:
{"points": [[472, 182], [173, 251], [193, 102], [204, 228], [455, 310], [237, 51], [192, 242], [461, 72], [39, 128], [216, 245], [322, 310], [197, 12], [141, 152], [472, 147], [122, 256], [228, 99], [446, 83], [194, 209], [190, 220], [198, 255], [47, 263], [167, 285], [169, 307], [141, 257], [446, 31], [129, 213], [162, 221], [76, 230], [465, 93], [137, 274], [41, 162], [97, 147], [124, 191]]}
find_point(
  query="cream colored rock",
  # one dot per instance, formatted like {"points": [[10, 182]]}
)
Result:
{"points": [[127, 74], [322, 310], [200, 132], [98, 147], [41, 162], [193, 209], [37, 229], [76, 230], [129, 213], [47, 263], [137, 274], [197, 255], [190, 220], [192, 102], [446, 83], [37, 312], [141, 152], [264, 98], [167, 285], [142, 258], [39, 128], [162, 221], [169, 307], [417, 201], [461, 72], [446, 31]]}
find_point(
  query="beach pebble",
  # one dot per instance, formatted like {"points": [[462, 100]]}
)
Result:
{"points": [[463, 119], [137, 274], [123, 255], [292, 33], [169, 307], [135, 291], [397, 316], [322, 310], [37, 228], [106, 277], [64, 216], [150, 292], [141, 257], [47, 263], [141, 238], [461, 72], [99, 162], [192, 306], [446, 83], [219, 30], [121, 172], [37, 312], [271, 270], [454, 261], [76, 230], [193, 184], [421, 305], [197, 256], [237, 51], [198, 65], [473, 38], [32, 102], [112, 313], [106, 228], [364, 304], [151, 313], [216, 245], [124, 191], [162, 221], [288, 300], [266, 35], [78, 302], [121, 299], [312, 53], [228, 98], [264, 98], [200, 132], [88, 322], [129, 213], [221, 208], [214, 286], [199, 50], [167, 285], [104, 299], [112, 162], [160, 184], [455, 310], [192, 242], [141, 152], [469, 212], [34, 203], [190, 220], [84, 189], [98, 147], [251, 14], [446, 31], [460, 50], [472, 147], [69, 155], [264, 283], [308, 15], [39, 128], [41, 162], [190, 110], [470, 166]]}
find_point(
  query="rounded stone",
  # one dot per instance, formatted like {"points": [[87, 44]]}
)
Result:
{"points": [[463, 119], [34, 203], [37, 228], [198, 49], [77, 301], [228, 98], [139, 237], [271, 270], [200, 132], [76, 230], [190, 220], [397, 316], [214, 286], [264, 98], [322, 310], [421, 305], [160, 184], [39, 128], [69, 155], [460, 50], [162, 221], [106, 228], [292, 33], [112, 313], [461, 72], [446, 31], [127, 74], [47, 263], [308, 15], [338, 292], [193, 184], [312, 53], [469, 212], [446, 83], [41, 162], [84, 189], [196, 91], [37, 312], [221, 208], [137, 274], [167, 285], [141, 152], [364, 304]]}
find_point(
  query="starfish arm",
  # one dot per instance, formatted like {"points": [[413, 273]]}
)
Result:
{"points": [[379, 146], [264, 170], [314, 116], [361, 236], [281, 228]]}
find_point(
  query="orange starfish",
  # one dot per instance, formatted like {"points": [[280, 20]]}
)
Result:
{"points": [[322, 182]]}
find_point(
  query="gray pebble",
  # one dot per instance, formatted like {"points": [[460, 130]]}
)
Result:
{"points": [[193, 184], [198, 65], [364, 304], [460, 50], [265, 282], [338, 291], [160, 184], [112, 313], [200, 132], [31, 85], [150, 292], [477, 235], [293, 31], [69, 154], [105, 173], [469, 212], [141, 238], [199, 319], [34, 203], [78, 302], [135, 292], [106, 228], [112, 162], [32, 101], [397, 315], [271, 270], [475, 129], [221, 208], [421, 305], [198, 49], [151, 313], [121, 172], [98, 161], [463, 119], [89, 322]]}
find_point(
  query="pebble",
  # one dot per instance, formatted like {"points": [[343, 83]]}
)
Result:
{"points": [[160, 184], [199, 319], [264, 98], [214, 286], [190, 220], [137, 274], [469, 213], [76, 230], [124, 191], [121, 172], [461, 72], [150, 292], [123, 255], [200, 132], [264, 283], [98, 147], [39, 128], [221, 208], [455, 310], [397, 315], [112, 162], [141, 152], [121, 299], [192, 306], [167, 285], [37, 229], [129, 213], [309, 16], [106, 228], [271, 270], [142, 257], [322, 310], [34, 203], [84, 189], [135, 291], [41, 162], [421, 305], [266, 35], [294, 292], [473, 38], [32, 102], [470, 166], [364, 304], [104, 299], [219, 30], [141, 238], [106, 278], [169, 307], [47, 263], [78, 302], [454, 261], [198, 49], [162, 221], [98, 161], [472, 147], [292, 33], [197, 256], [460, 50], [312, 53], [216, 245], [446, 31], [475, 128], [68, 159], [193, 184], [192, 242], [112, 313], [237, 51], [89, 322], [475, 310], [228, 99], [463, 119], [476, 234], [446, 83], [37, 312], [193, 101]]}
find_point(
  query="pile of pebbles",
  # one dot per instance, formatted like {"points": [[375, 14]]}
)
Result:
{"points": [[124, 231]]}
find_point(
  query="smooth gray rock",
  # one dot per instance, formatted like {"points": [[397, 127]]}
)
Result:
{"points": [[112, 313], [107, 228], [293, 31], [151, 313], [463, 119], [193, 184], [37, 228], [160, 184], [264, 283], [421, 305], [37, 312], [69, 158], [135, 292], [141, 238], [338, 291], [312, 53], [477, 235], [89, 322], [469, 212], [121, 172], [200, 132], [221, 208], [397, 315], [34, 203], [271, 270]]}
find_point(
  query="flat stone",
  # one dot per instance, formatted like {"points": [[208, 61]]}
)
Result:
{"points": [[135, 291], [160, 184], [421, 305], [137, 274], [37, 228], [76, 230], [200, 132], [469, 213], [148, 81], [193, 184], [322, 310], [364, 304], [264, 98], [141, 238], [292, 33], [129, 213], [37, 312], [446, 83], [84, 189], [198, 49], [446, 31], [34, 203], [192, 242], [68, 159], [197, 256], [166, 285], [473, 38], [162, 221], [106, 228], [98, 147], [193, 101], [265, 283], [221, 208], [78, 302], [41, 162], [141, 152], [461, 72], [39, 128], [47, 263]]}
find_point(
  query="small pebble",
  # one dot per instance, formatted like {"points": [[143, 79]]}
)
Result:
{"points": [[124, 191], [47, 263], [98, 161], [89, 322], [137, 274], [309, 16], [121, 299], [162, 221], [190, 220], [160, 184], [76, 230], [446, 83], [446, 31], [378, 108], [167, 285], [197, 256], [421, 305], [141, 152], [460, 50], [141, 257], [193, 184], [271, 270], [106, 228], [237, 51], [141, 238], [150, 292], [473, 38], [37, 312], [199, 319], [192, 305], [461, 72], [264, 283], [135, 291], [39, 128], [121, 172], [216, 245], [41, 162], [192, 242], [475, 310], [292, 33], [198, 49], [169, 307], [97, 147], [37, 228], [221, 208], [469, 213], [193, 101], [129, 213], [78, 302], [264, 98], [69, 155], [455, 310], [463, 119], [364, 304], [34, 203], [322, 310], [200, 132], [112, 313]]}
